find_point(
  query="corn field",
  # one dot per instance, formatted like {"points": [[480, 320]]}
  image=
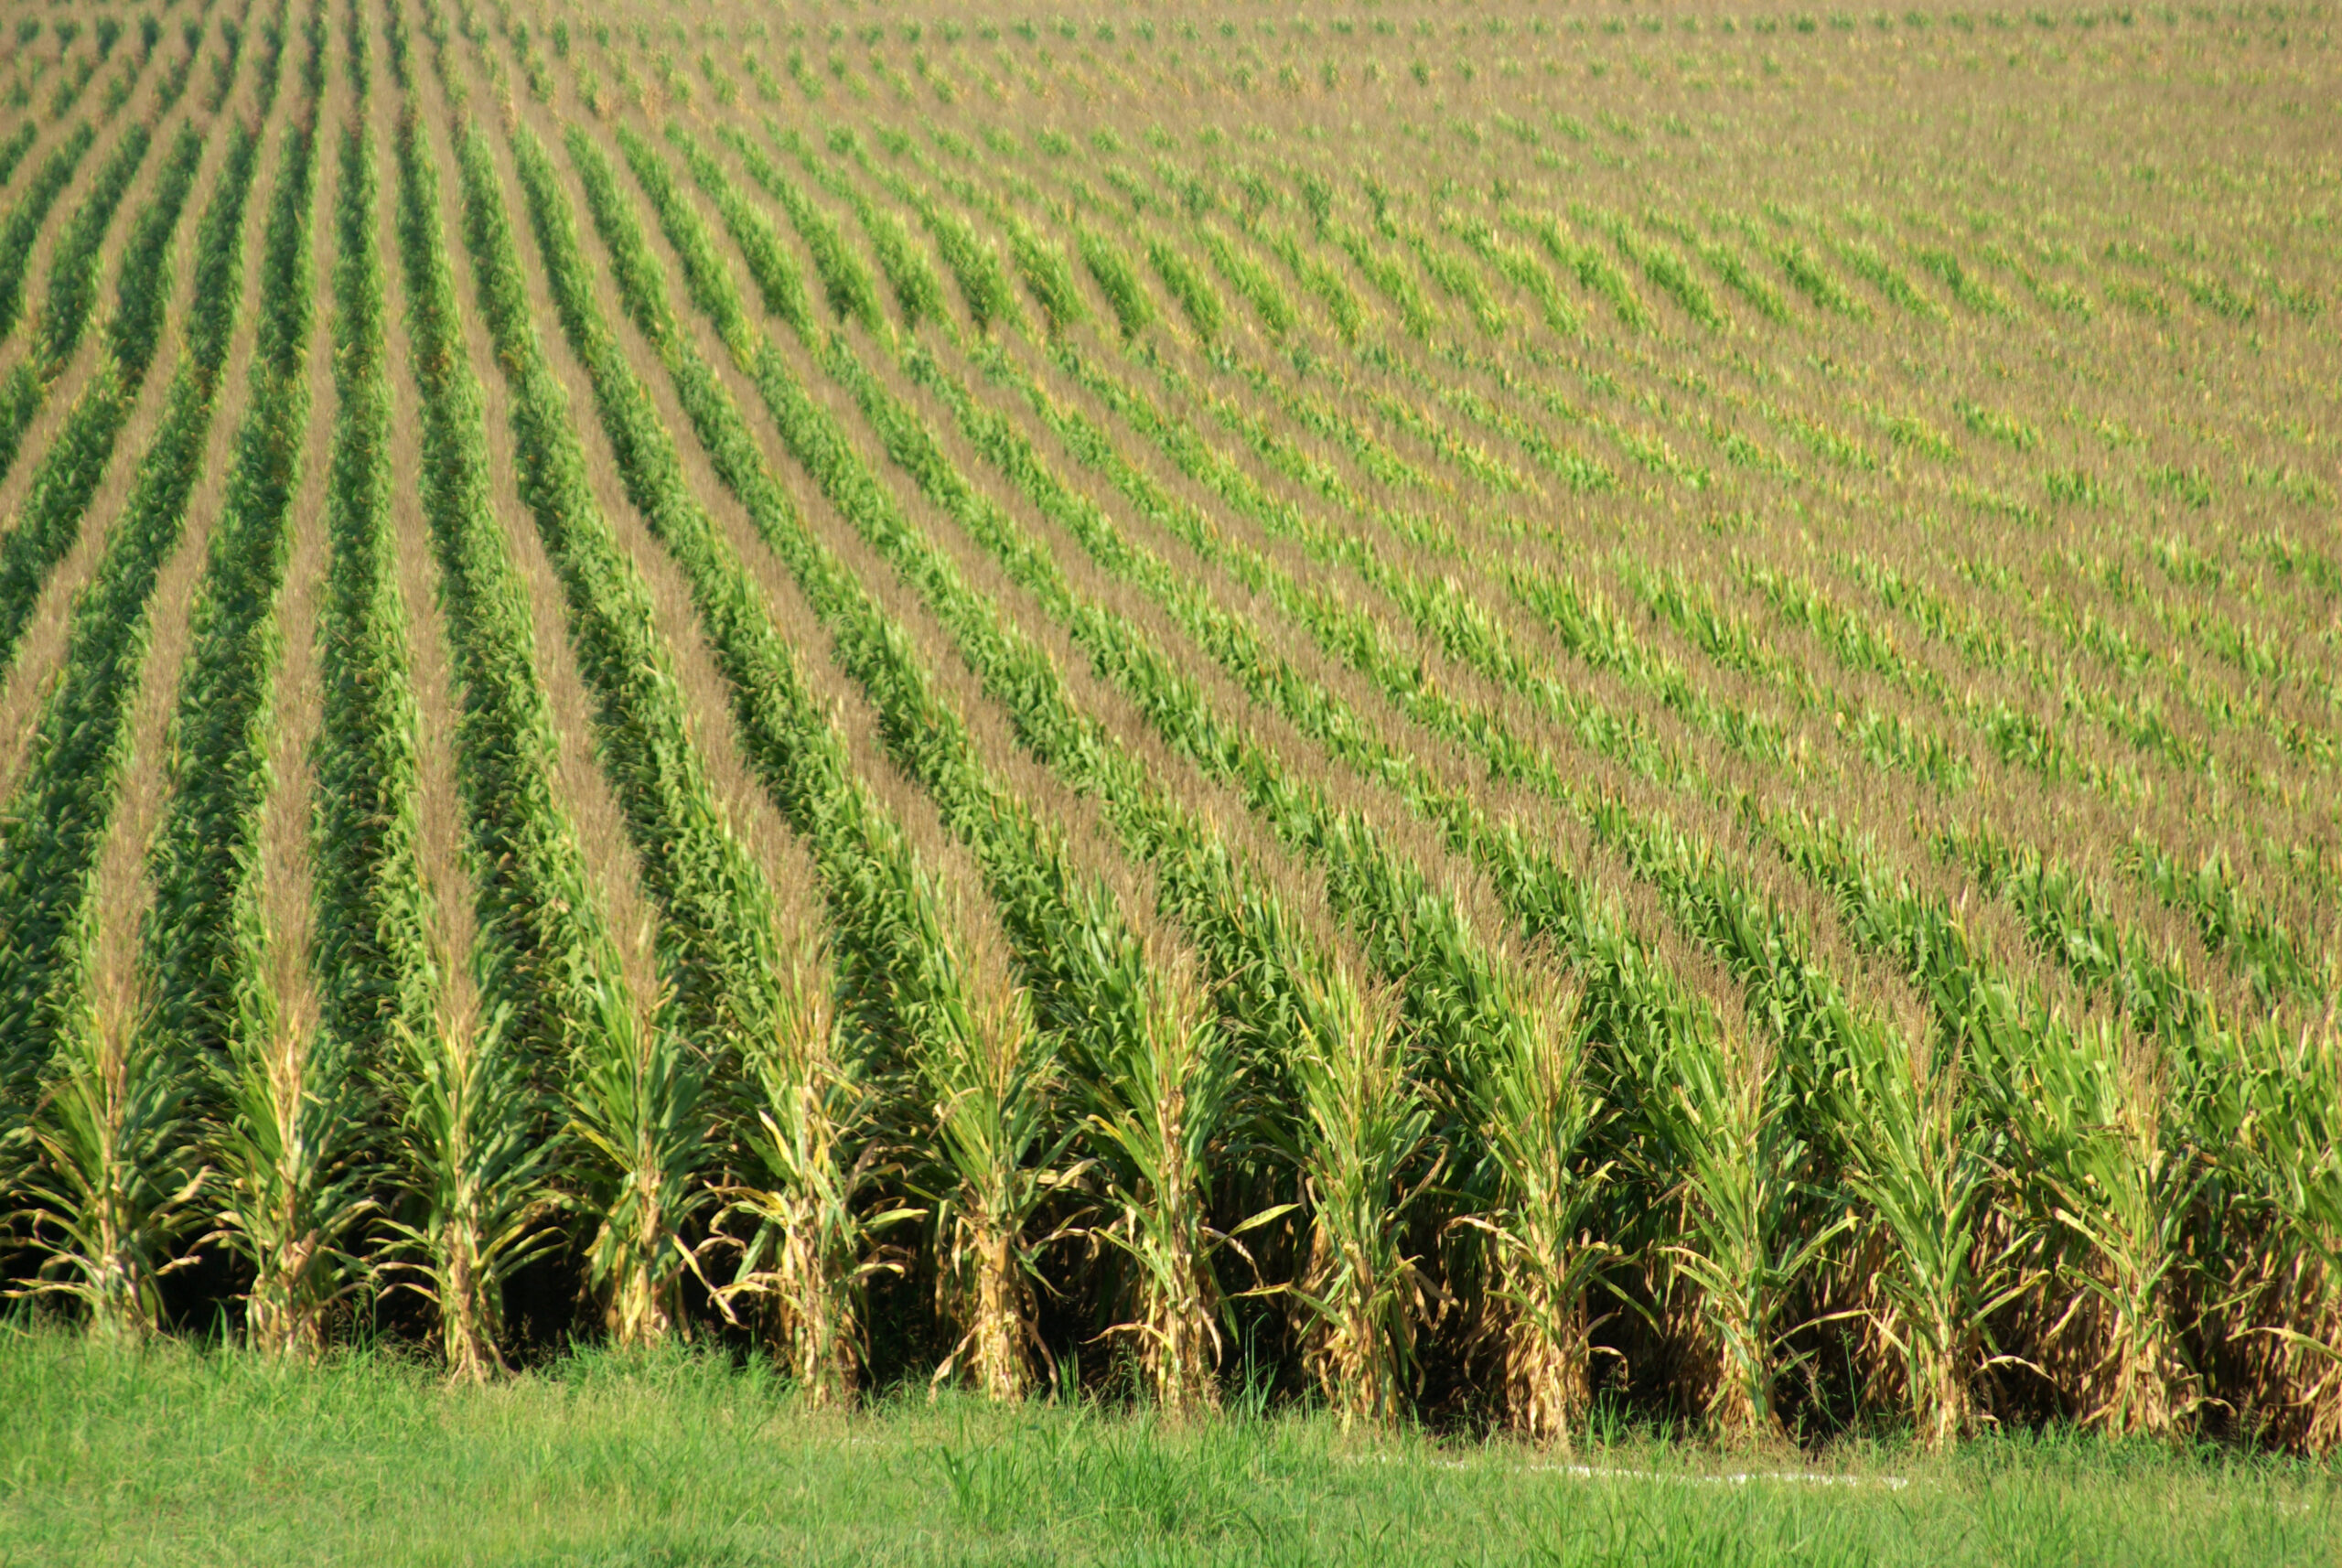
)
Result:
{"points": [[1471, 712]]}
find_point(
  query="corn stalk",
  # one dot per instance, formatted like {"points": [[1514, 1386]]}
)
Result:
{"points": [[2290, 1145], [1920, 1166], [993, 1078], [111, 1191], [2118, 1176], [815, 1165], [293, 1192], [1362, 1130], [1161, 1082], [474, 1161], [634, 1090], [1538, 1120], [1718, 1119]]}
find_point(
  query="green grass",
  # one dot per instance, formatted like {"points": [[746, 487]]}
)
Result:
{"points": [[173, 1455]]}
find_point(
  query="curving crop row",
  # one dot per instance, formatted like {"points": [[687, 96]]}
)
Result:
{"points": [[1659, 263], [289, 1146], [269, 70], [1063, 937], [371, 951], [472, 1091], [2016, 736], [1324, 283], [642, 1102], [974, 264], [1187, 283], [2047, 1144], [55, 828], [1457, 1001], [224, 67], [1597, 272], [1284, 1000], [793, 743], [1726, 264], [22, 225], [1442, 955], [845, 281], [1586, 627], [1657, 1034], [2293, 736], [1197, 873], [202, 943], [2022, 1092], [1250, 279], [716, 903], [922, 731], [125, 1131], [1524, 271], [1415, 935], [142, 292], [75, 463], [1133, 311], [801, 1113], [2078, 934], [540, 945], [73, 264], [2019, 738], [73, 280], [1540, 892], [1707, 905], [2031, 1048], [1763, 951], [1458, 280], [1751, 942], [13, 149], [176, 75]]}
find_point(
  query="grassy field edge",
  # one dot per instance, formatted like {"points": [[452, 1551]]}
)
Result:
{"points": [[165, 1452]]}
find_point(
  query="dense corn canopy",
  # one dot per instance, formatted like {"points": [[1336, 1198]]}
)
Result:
{"points": [[1455, 708]]}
